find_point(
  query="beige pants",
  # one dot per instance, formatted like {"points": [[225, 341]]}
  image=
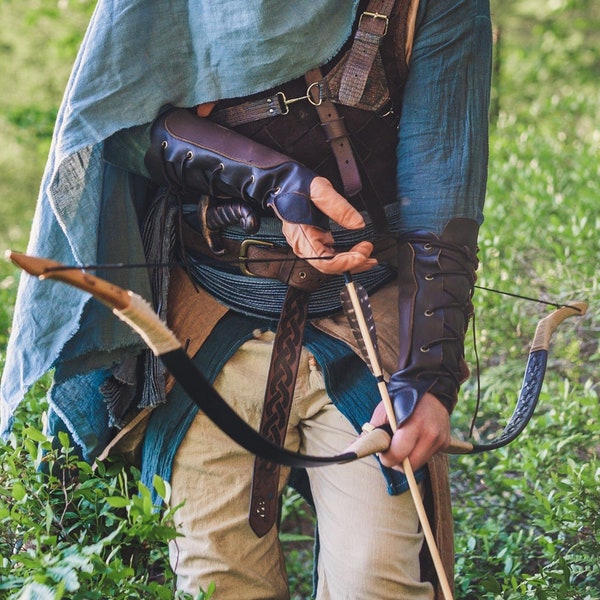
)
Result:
{"points": [[369, 540]]}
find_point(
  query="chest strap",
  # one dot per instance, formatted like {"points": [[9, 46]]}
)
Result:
{"points": [[346, 84], [337, 138]]}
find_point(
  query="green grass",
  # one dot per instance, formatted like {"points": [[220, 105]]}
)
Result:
{"points": [[38, 42], [526, 516]]}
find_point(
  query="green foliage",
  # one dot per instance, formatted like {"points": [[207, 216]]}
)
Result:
{"points": [[526, 516], [70, 531], [297, 539]]}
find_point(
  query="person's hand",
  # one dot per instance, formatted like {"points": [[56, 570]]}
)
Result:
{"points": [[426, 432], [308, 241]]}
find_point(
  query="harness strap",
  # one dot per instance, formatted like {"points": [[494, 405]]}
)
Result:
{"points": [[337, 137], [372, 27], [273, 105]]}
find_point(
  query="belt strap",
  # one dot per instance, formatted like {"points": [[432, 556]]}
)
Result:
{"points": [[273, 105], [256, 258], [337, 136], [285, 358]]}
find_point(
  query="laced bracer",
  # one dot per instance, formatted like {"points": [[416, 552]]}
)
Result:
{"points": [[197, 156], [436, 281]]}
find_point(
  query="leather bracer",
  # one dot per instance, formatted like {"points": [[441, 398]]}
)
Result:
{"points": [[436, 279], [198, 156]]}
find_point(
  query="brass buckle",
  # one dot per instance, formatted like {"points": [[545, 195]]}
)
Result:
{"points": [[243, 257], [285, 102], [375, 15]]}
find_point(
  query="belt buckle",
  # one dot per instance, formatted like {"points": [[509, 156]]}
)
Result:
{"points": [[243, 257], [375, 16]]}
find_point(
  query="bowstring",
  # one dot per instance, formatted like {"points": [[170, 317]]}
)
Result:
{"points": [[114, 266]]}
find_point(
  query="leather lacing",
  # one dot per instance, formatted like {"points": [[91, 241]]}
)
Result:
{"points": [[466, 265]]}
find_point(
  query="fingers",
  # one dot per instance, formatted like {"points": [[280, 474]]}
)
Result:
{"points": [[310, 242], [418, 448], [355, 260], [425, 433], [335, 206]]}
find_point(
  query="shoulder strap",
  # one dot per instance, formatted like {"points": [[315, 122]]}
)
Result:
{"points": [[373, 25], [336, 135]]}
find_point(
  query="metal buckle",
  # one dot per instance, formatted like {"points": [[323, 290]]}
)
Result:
{"points": [[285, 102], [243, 257], [375, 15]]}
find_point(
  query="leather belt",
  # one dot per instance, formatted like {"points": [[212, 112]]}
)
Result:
{"points": [[257, 258], [285, 358], [261, 257]]}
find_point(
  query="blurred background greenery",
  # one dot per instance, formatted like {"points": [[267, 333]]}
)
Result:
{"points": [[526, 516]]}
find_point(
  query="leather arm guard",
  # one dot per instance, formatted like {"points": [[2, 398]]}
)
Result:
{"points": [[436, 278], [196, 155]]}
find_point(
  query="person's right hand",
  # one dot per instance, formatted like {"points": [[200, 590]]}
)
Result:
{"points": [[309, 242]]}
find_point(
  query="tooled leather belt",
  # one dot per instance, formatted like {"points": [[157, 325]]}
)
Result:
{"points": [[258, 258]]}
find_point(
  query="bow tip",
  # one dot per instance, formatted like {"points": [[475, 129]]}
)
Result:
{"points": [[30, 264]]}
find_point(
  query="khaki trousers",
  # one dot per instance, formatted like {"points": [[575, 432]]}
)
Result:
{"points": [[369, 540]]}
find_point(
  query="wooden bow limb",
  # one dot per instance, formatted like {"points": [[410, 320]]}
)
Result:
{"points": [[139, 315], [375, 366]]}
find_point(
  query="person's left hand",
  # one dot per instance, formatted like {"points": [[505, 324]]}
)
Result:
{"points": [[423, 434]]}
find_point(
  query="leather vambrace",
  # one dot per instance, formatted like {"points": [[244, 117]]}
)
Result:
{"points": [[197, 156], [436, 279]]}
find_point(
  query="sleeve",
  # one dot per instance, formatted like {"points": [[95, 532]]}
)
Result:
{"points": [[443, 136]]}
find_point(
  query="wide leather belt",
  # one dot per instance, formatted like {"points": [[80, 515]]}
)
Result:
{"points": [[256, 258]]}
